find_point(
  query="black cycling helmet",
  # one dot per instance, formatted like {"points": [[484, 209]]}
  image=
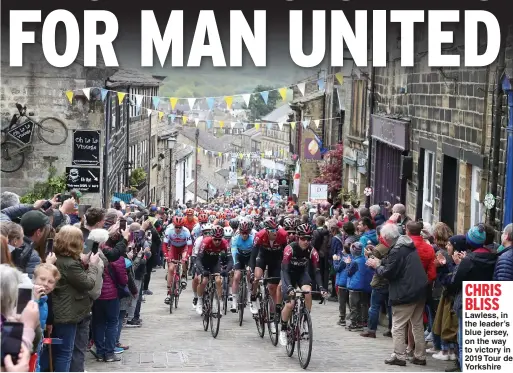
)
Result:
{"points": [[217, 232], [304, 230], [244, 227], [221, 222], [289, 224], [270, 223], [234, 224], [250, 224]]}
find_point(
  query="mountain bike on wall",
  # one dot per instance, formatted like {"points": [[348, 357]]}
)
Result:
{"points": [[18, 136]]}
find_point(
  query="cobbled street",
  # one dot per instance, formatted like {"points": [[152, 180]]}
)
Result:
{"points": [[177, 342]]}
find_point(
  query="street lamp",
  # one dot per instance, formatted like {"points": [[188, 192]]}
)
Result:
{"points": [[171, 142]]}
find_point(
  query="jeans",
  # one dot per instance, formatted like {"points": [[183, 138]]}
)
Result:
{"points": [[62, 353], [135, 301], [343, 302], [80, 347], [105, 325], [137, 311], [377, 297], [122, 314]]}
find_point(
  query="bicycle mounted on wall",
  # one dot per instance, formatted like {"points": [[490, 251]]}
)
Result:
{"points": [[17, 137]]}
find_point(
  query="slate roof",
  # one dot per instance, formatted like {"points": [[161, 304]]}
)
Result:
{"points": [[251, 132], [310, 97], [207, 140], [278, 115], [181, 152], [202, 185], [224, 173], [128, 76]]}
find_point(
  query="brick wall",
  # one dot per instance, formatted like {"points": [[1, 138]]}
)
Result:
{"points": [[41, 87]]}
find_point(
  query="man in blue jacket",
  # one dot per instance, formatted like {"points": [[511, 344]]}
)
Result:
{"points": [[368, 232], [504, 266]]}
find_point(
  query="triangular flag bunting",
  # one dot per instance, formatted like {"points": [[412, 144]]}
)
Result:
{"points": [[104, 93], [317, 122], [198, 149], [121, 96], [280, 125], [196, 121], [229, 100], [232, 124], [240, 155], [257, 126], [219, 154], [245, 126], [320, 83], [184, 119], [269, 126], [301, 87], [221, 123], [156, 101], [161, 115], [262, 155], [173, 101], [306, 123], [69, 95], [283, 93], [293, 125], [265, 96], [246, 97], [210, 102], [138, 100], [148, 111], [87, 92], [340, 78], [192, 101], [209, 123]]}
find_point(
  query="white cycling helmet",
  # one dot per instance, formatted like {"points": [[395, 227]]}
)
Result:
{"points": [[228, 231], [206, 227]]}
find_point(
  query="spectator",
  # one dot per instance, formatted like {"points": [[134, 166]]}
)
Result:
{"points": [[364, 213], [94, 218], [367, 232], [14, 234], [152, 260], [9, 199], [400, 218], [358, 285], [340, 261], [5, 253], [320, 238], [407, 291], [504, 267], [71, 301], [375, 213]]}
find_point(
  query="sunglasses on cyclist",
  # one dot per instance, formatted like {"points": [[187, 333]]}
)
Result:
{"points": [[216, 239], [291, 233], [305, 238], [272, 230], [178, 228]]}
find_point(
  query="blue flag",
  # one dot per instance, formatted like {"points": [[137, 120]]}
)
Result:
{"points": [[319, 142], [265, 96], [156, 100], [173, 116], [104, 93], [210, 102], [320, 83], [209, 123]]}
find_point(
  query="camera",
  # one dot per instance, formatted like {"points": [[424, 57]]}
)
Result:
{"points": [[62, 197]]}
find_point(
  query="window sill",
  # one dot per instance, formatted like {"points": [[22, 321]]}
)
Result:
{"points": [[357, 139]]}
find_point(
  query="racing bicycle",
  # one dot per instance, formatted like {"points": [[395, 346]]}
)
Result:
{"points": [[17, 138], [176, 286], [267, 312], [211, 306]]}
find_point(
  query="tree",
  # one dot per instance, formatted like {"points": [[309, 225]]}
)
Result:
{"points": [[257, 104], [331, 170]]}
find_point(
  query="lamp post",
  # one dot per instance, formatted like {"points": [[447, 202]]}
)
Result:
{"points": [[171, 142]]}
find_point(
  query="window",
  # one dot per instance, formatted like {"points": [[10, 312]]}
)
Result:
{"points": [[429, 186], [113, 110], [153, 146], [475, 204], [359, 104]]}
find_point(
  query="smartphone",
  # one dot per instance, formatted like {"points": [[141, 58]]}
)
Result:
{"points": [[46, 205], [12, 332], [145, 217], [94, 248], [49, 245], [24, 296], [148, 235], [122, 225]]}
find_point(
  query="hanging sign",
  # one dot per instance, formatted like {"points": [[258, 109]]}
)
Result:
{"points": [[317, 193], [86, 148], [83, 179], [283, 187], [23, 132]]}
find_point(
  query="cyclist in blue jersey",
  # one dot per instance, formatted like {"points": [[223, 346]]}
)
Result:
{"points": [[242, 247]]}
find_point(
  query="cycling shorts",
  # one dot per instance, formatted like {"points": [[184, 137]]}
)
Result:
{"points": [[297, 279], [176, 253], [241, 261], [211, 264], [271, 260]]}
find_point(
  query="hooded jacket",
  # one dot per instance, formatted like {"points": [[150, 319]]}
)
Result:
{"points": [[427, 256], [504, 267], [371, 236], [405, 273], [118, 268]]}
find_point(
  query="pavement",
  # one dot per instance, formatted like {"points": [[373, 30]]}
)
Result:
{"points": [[177, 342]]}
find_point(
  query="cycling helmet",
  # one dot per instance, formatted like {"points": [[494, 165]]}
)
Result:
{"points": [[304, 230], [221, 215], [178, 221], [270, 223], [211, 219], [228, 232], [234, 224], [289, 224], [221, 222], [206, 227], [189, 212], [251, 225], [203, 218], [217, 232], [261, 225], [257, 218], [244, 227], [228, 215]]}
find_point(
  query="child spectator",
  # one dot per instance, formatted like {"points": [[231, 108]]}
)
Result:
{"points": [[340, 266], [358, 284]]}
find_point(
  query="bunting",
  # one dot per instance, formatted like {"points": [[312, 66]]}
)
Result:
{"points": [[196, 121], [184, 119], [69, 95], [301, 87], [121, 97], [283, 93], [257, 126], [221, 123], [317, 122], [265, 96], [340, 78], [148, 111], [209, 123], [87, 92], [156, 101], [293, 125], [320, 84], [161, 115], [228, 100], [104, 93], [191, 101], [246, 97], [210, 102], [173, 101], [280, 125]]}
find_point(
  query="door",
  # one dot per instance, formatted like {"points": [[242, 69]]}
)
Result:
{"points": [[387, 174], [449, 200]]}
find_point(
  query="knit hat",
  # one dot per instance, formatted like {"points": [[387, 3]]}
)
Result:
{"points": [[476, 236], [356, 249], [32, 221], [459, 242]]}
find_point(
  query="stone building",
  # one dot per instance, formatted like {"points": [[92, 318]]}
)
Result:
{"points": [[41, 87]]}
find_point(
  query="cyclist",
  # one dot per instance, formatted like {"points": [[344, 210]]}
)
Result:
{"points": [[190, 220], [208, 261], [206, 230], [289, 224], [177, 244], [297, 258], [227, 233], [269, 244], [234, 224], [242, 247], [202, 220]]}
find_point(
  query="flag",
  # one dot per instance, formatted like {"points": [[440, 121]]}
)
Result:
{"points": [[69, 95], [210, 102], [301, 87], [297, 178], [246, 97], [156, 101], [104, 93], [265, 96], [319, 142], [87, 92]]}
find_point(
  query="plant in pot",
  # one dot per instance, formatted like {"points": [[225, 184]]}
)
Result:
{"points": [[137, 177]]}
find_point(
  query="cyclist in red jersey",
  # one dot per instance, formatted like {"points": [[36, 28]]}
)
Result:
{"points": [[190, 220], [269, 244], [208, 262]]}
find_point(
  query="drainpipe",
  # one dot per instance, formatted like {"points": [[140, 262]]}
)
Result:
{"points": [[497, 117], [508, 194], [108, 120], [127, 155], [369, 135]]}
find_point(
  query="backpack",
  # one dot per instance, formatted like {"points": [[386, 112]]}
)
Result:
{"points": [[21, 257]]}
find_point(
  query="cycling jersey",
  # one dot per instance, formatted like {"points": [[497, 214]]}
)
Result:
{"points": [[173, 240], [241, 251], [197, 245], [279, 243], [196, 231], [190, 224], [295, 266], [208, 258]]}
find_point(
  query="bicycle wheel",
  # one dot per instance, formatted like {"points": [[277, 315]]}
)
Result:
{"points": [[206, 311], [272, 321], [215, 314], [304, 339], [178, 291], [53, 131], [242, 301], [225, 294], [172, 294], [291, 339], [261, 319], [12, 156]]}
